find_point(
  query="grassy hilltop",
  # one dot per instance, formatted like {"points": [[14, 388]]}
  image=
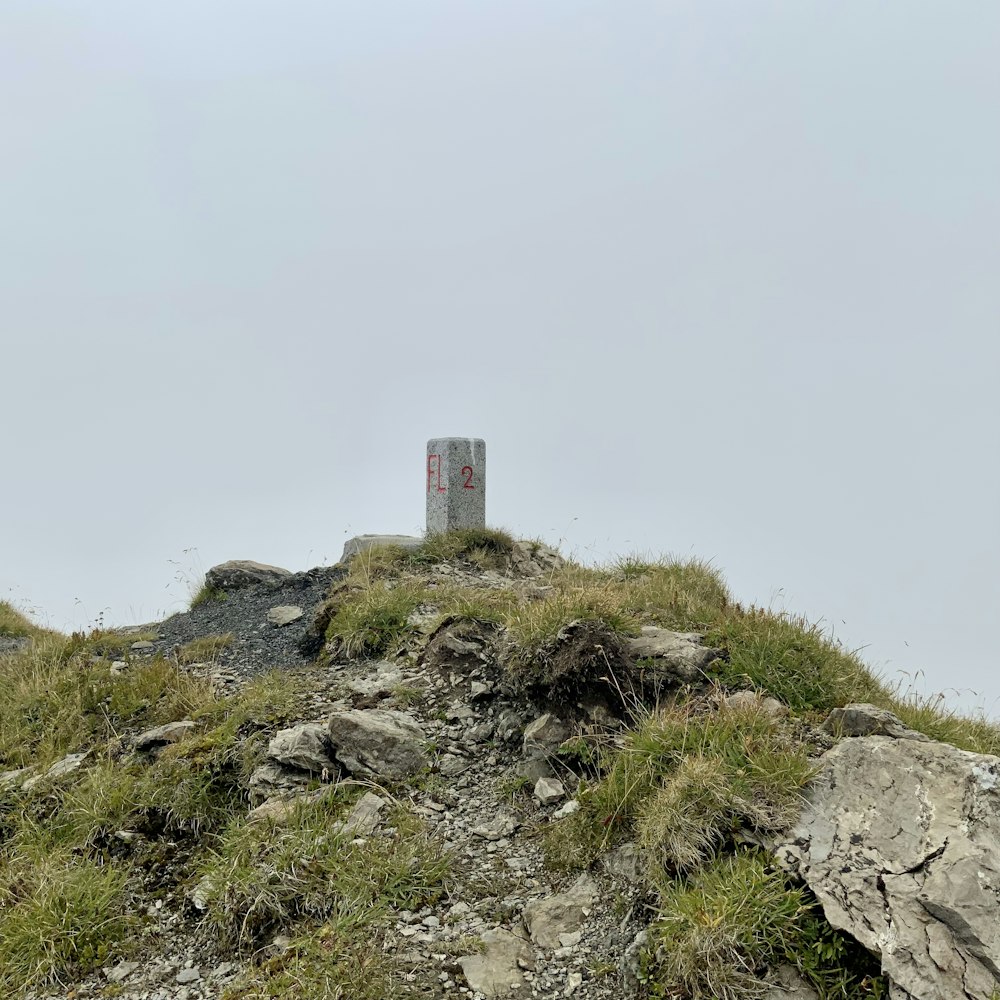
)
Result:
{"points": [[698, 783]]}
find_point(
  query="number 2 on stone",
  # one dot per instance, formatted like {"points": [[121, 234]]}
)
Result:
{"points": [[467, 472]]}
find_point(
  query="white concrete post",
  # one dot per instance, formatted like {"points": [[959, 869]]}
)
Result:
{"points": [[456, 484]]}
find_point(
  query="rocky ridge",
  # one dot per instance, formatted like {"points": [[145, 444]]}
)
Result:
{"points": [[494, 773]]}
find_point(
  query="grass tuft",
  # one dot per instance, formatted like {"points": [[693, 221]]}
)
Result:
{"points": [[204, 649], [60, 917], [367, 622]]}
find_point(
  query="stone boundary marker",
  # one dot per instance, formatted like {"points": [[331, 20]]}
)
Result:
{"points": [[456, 484]]}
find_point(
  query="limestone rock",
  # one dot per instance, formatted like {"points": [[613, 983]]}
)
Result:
{"points": [[544, 736], [305, 747], [361, 543], [549, 918], [386, 676], [364, 817], [534, 559], [860, 719], [678, 655], [743, 701], [271, 780], [787, 984], [15, 777], [549, 791], [498, 969], [160, 736], [626, 862], [377, 743], [284, 614], [239, 573], [900, 841], [59, 769]]}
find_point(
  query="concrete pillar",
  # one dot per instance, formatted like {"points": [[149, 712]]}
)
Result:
{"points": [[456, 484]]}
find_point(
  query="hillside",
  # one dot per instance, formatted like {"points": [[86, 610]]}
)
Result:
{"points": [[473, 769]]}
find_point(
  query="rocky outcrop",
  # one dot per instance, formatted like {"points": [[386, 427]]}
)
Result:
{"points": [[900, 841], [678, 656], [378, 743], [239, 573], [861, 719]]}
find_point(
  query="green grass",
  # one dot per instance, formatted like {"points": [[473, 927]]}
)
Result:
{"points": [[60, 916], [15, 625], [204, 649], [261, 876], [55, 700], [792, 660], [684, 782], [205, 593], [485, 548], [341, 958], [735, 918], [369, 621]]}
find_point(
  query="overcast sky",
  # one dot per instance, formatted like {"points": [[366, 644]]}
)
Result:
{"points": [[712, 279]]}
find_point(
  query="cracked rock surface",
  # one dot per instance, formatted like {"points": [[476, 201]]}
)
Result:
{"points": [[900, 841]]}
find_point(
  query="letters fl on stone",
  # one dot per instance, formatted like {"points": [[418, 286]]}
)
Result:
{"points": [[456, 484]]}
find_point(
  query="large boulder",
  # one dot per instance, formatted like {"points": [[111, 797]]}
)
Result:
{"points": [[900, 841], [239, 573], [377, 744]]}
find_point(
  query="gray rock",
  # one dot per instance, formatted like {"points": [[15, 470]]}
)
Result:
{"points": [[861, 719], [361, 543], [364, 817], [548, 791], [284, 614], [899, 839], [377, 743], [121, 971], [534, 559], [191, 975], [567, 809], [239, 573], [496, 829], [497, 970], [386, 677], [743, 701], [142, 646], [626, 862], [305, 747], [271, 781], [677, 654], [18, 776], [509, 725], [631, 961], [171, 732], [59, 769], [544, 736], [563, 913], [787, 984]]}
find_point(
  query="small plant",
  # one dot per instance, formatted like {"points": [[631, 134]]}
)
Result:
{"points": [[204, 594]]}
